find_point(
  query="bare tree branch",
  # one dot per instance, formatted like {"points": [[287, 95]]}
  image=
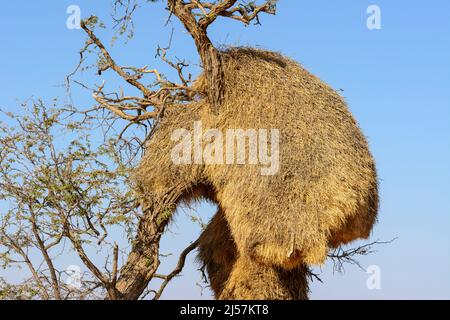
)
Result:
{"points": [[340, 257], [176, 271], [111, 63]]}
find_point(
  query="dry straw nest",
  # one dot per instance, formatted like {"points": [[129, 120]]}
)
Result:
{"points": [[324, 194]]}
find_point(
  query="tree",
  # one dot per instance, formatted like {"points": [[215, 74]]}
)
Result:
{"points": [[58, 191], [59, 186], [66, 190]]}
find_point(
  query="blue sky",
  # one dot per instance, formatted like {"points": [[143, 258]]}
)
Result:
{"points": [[396, 81]]}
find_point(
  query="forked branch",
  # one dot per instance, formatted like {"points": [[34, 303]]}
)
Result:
{"points": [[209, 11], [134, 108]]}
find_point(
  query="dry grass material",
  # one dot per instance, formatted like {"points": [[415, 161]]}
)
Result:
{"points": [[325, 193]]}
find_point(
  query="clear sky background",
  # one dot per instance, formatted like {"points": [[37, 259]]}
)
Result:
{"points": [[396, 81]]}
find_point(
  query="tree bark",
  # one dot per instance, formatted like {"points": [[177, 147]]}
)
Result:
{"points": [[143, 261], [209, 55]]}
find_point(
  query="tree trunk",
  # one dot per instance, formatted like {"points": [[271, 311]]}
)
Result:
{"points": [[143, 260]]}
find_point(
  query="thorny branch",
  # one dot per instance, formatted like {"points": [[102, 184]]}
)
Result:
{"points": [[53, 194]]}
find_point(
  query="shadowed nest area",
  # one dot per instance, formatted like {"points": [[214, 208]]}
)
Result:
{"points": [[269, 227]]}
